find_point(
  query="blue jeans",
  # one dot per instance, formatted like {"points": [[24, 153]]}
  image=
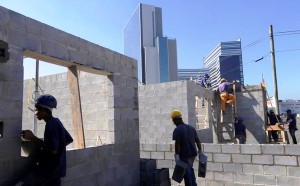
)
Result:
{"points": [[189, 177], [292, 133]]}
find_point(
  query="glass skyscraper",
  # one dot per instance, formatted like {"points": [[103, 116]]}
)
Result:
{"points": [[225, 61], [144, 41]]}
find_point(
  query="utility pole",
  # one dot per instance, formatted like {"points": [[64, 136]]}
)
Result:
{"points": [[36, 91], [274, 69]]}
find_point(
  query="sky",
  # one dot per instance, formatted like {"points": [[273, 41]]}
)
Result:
{"points": [[197, 25]]}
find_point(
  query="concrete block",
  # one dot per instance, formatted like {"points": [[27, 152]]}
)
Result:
{"points": [[221, 176], [164, 147], [265, 179], [272, 149], [285, 160], [16, 37], [53, 49], [87, 154], [287, 180], [233, 167], [243, 178], [169, 155], [32, 43], [13, 91], [165, 163], [78, 57], [214, 166], [291, 150], [33, 27], [222, 157], [232, 148], [293, 171], [240, 158], [9, 152], [17, 21], [275, 170], [15, 54], [262, 159], [144, 154], [214, 148], [252, 169], [148, 147], [11, 109], [158, 155], [251, 149], [4, 16]]}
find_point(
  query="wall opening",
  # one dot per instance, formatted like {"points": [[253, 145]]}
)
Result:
{"points": [[55, 80]]}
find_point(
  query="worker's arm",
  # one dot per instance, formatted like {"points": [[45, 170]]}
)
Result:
{"points": [[28, 135], [198, 143]]}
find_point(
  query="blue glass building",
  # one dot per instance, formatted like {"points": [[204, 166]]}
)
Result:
{"points": [[225, 61], [144, 41]]}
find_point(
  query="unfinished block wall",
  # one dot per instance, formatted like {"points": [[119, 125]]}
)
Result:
{"points": [[30, 38], [237, 164], [94, 103]]}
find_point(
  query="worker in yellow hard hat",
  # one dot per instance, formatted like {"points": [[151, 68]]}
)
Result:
{"points": [[186, 139], [225, 96]]}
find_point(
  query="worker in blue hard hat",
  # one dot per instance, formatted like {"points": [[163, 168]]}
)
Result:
{"points": [[240, 130], [51, 165], [203, 82]]}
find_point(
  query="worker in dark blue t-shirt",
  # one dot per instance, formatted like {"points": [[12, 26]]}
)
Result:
{"points": [[240, 130], [51, 165], [291, 120], [186, 139]]}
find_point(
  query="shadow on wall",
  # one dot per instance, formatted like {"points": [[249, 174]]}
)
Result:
{"points": [[252, 110]]}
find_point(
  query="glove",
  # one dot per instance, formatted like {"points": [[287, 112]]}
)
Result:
{"points": [[177, 159]]}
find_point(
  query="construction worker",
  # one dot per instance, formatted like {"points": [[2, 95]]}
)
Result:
{"points": [[51, 165], [240, 130], [273, 119], [291, 120], [225, 96], [203, 83], [186, 139]]}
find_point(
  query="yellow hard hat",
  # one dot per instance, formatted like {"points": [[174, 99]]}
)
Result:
{"points": [[223, 80], [176, 114]]}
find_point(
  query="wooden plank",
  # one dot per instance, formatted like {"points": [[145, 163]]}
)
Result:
{"points": [[76, 107], [64, 63]]}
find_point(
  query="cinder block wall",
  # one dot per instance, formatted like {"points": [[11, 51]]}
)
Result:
{"points": [[157, 101], [237, 164], [29, 37], [94, 103], [251, 104]]}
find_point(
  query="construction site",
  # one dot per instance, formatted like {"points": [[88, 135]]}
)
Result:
{"points": [[122, 131]]}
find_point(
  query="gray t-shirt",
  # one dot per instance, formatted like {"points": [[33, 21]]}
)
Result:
{"points": [[186, 136]]}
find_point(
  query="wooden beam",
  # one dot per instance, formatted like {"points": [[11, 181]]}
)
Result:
{"points": [[64, 63], [76, 107]]}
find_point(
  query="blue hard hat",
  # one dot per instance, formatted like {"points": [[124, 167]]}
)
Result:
{"points": [[46, 101], [206, 75]]}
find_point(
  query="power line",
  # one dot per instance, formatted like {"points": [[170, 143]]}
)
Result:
{"points": [[288, 50]]}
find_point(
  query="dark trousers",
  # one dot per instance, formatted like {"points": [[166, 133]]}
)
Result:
{"points": [[292, 133], [274, 135], [189, 177]]}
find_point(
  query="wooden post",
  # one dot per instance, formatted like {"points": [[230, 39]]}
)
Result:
{"points": [[76, 107]]}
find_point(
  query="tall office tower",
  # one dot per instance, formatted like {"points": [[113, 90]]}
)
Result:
{"points": [[144, 41], [187, 74], [225, 61]]}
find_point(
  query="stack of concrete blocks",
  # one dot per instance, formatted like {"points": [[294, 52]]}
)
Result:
{"points": [[233, 164], [94, 103], [151, 176], [104, 165]]}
